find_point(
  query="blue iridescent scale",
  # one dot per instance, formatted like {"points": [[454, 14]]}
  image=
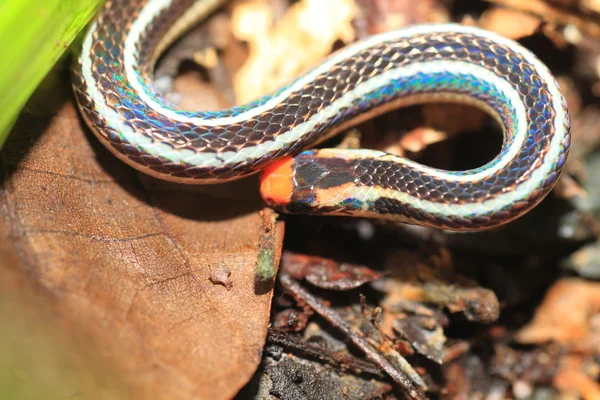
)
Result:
{"points": [[112, 79]]}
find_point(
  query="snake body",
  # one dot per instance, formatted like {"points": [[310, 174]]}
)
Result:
{"points": [[112, 80]]}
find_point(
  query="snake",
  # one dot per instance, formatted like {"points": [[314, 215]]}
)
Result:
{"points": [[277, 134]]}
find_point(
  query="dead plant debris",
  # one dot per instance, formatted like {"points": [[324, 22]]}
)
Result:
{"points": [[167, 291]]}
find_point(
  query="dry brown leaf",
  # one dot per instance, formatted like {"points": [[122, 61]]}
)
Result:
{"points": [[124, 263], [386, 15], [510, 23], [575, 380], [554, 15], [280, 51], [326, 273], [592, 5], [565, 316]]}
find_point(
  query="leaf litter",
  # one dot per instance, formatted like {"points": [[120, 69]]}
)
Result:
{"points": [[155, 285]]}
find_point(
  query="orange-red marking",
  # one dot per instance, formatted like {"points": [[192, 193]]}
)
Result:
{"points": [[276, 182]]}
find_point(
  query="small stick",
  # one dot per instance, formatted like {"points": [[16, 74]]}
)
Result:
{"points": [[398, 376]]}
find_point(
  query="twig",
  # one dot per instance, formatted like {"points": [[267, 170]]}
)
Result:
{"points": [[311, 350], [398, 376]]}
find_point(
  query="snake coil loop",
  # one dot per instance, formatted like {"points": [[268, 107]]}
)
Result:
{"points": [[112, 82]]}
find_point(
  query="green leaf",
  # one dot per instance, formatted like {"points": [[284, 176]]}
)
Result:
{"points": [[33, 36]]}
